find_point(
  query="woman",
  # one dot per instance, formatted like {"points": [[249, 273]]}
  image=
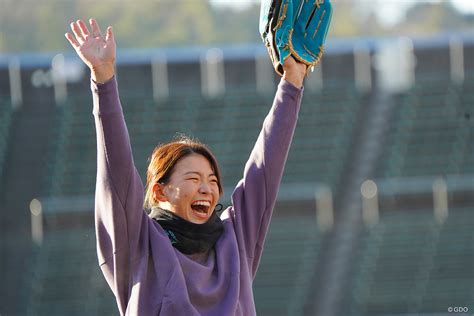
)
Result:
{"points": [[182, 259]]}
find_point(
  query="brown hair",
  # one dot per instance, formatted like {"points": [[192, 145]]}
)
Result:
{"points": [[164, 158]]}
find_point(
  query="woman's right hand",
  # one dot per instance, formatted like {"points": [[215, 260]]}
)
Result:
{"points": [[97, 52]]}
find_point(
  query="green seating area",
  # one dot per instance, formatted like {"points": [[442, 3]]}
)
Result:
{"points": [[408, 263], [322, 141], [452, 271], [431, 132], [73, 166], [229, 125], [66, 278], [287, 265], [6, 112]]}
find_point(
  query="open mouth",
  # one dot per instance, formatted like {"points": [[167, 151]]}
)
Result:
{"points": [[201, 208]]}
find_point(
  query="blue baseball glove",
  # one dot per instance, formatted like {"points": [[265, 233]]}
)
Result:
{"points": [[295, 27]]}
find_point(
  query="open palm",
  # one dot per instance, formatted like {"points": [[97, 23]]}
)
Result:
{"points": [[93, 48]]}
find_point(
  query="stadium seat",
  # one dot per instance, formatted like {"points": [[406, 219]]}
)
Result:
{"points": [[287, 265], [430, 134], [6, 112], [408, 263], [66, 275]]}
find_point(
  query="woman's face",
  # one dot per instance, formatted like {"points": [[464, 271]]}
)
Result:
{"points": [[192, 191]]}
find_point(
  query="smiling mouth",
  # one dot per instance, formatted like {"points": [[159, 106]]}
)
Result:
{"points": [[201, 208]]}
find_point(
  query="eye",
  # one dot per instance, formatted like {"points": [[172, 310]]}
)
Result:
{"points": [[193, 179]]}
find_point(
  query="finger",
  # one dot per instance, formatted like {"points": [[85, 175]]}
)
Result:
{"points": [[77, 31], [72, 40], [95, 28], [83, 27], [110, 34]]}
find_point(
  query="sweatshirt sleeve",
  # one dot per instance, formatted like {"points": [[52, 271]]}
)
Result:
{"points": [[255, 195], [121, 223]]}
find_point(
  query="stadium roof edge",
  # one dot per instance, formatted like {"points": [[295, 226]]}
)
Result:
{"points": [[230, 51]]}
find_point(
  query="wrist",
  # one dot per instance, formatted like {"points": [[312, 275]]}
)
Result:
{"points": [[294, 72], [103, 72], [296, 78]]}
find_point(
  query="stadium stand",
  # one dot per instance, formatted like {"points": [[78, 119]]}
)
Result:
{"points": [[66, 279], [452, 269], [73, 163], [228, 124], [287, 265], [5, 121], [326, 124], [430, 131], [408, 263]]}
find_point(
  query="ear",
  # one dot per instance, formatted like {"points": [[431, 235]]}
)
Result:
{"points": [[159, 192]]}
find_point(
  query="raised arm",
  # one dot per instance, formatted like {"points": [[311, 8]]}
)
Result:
{"points": [[255, 195], [121, 223]]}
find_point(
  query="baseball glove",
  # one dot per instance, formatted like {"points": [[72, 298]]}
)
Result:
{"points": [[294, 27]]}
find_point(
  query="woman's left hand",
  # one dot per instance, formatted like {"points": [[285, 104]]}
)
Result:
{"points": [[97, 51], [294, 72]]}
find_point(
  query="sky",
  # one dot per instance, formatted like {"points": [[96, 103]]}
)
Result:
{"points": [[389, 12]]}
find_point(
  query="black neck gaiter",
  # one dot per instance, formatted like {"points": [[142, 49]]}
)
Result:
{"points": [[187, 237]]}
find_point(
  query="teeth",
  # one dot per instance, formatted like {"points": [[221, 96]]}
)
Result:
{"points": [[201, 206], [204, 203]]}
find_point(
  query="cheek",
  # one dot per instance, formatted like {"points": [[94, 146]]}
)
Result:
{"points": [[173, 193], [216, 194], [183, 192]]}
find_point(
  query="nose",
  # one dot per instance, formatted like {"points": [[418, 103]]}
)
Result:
{"points": [[205, 188]]}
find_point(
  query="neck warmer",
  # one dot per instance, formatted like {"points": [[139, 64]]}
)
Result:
{"points": [[187, 237]]}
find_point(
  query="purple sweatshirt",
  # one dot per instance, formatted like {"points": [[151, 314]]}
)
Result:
{"points": [[147, 275]]}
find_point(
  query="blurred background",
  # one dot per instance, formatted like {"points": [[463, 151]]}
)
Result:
{"points": [[375, 214]]}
